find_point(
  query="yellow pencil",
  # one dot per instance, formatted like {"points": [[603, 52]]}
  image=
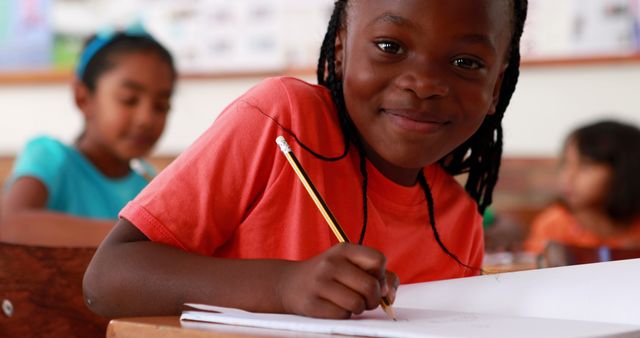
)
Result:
{"points": [[322, 206]]}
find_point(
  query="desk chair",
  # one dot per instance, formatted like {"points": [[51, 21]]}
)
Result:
{"points": [[41, 293], [558, 254]]}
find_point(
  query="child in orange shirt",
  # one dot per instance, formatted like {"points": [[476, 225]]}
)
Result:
{"points": [[600, 191], [411, 93]]}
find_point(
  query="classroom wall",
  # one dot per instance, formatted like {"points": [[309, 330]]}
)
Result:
{"points": [[550, 101]]}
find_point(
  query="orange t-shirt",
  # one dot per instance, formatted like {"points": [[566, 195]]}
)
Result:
{"points": [[557, 224], [232, 194]]}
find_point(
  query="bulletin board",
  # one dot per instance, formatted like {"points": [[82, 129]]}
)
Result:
{"points": [[40, 39], [579, 31], [206, 37]]}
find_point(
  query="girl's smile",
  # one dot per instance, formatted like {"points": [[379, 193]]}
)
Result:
{"points": [[142, 140], [416, 121]]}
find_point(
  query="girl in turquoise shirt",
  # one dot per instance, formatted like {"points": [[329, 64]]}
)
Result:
{"points": [[61, 194]]}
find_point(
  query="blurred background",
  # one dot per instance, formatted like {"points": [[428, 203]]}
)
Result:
{"points": [[581, 63]]}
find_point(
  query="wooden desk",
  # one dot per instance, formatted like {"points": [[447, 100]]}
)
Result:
{"points": [[165, 327], [493, 269]]}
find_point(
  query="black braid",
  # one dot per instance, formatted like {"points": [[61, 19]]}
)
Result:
{"points": [[479, 156], [328, 77], [327, 53], [432, 221], [295, 137], [327, 57], [327, 70], [365, 183]]}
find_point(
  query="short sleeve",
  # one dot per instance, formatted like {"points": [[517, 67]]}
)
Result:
{"points": [[43, 159], [198, 201]]}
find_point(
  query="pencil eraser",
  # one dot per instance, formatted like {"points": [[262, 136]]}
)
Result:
{"points": [[284, 146]]}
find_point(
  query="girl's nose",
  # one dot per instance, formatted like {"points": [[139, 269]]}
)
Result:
{"points": [[425, 80], [145, 114]]}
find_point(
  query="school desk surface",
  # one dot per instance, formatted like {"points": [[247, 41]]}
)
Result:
{"points": [[165, 327]]}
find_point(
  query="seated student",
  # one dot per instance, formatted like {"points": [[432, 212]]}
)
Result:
{"points": [[600, 189], [123, 86], [411, 93]]}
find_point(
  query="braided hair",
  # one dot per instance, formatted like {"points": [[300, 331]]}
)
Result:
{"points": [[479, 156]]}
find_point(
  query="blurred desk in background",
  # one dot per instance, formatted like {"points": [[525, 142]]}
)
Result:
{"points": [[501, 262]]}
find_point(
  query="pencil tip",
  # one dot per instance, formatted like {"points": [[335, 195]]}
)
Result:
{"points": [[386, 307]]}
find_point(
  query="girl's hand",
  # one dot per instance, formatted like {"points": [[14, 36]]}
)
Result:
{"points": [[392, 287], [344, 280]]}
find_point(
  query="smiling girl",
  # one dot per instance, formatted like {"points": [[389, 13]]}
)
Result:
{"points": [[410, 93], [70, 195]]}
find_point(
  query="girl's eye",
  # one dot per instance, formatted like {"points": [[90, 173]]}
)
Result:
{"points": [[129, 101], [389, 47], [467, 63], [162, 107]]}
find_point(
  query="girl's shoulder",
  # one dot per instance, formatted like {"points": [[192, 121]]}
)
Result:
{"points": [[278, 93], [47, 144], [286, 105], [555, 216], [44, 151], [43, 157], [290, 85], [557, 211]]}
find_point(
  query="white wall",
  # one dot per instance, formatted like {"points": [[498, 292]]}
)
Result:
{"points": [[549, 102]]}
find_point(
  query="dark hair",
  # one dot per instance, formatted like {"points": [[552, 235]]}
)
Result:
{"points": [[479, 156], [617, 145], [120, 43]]}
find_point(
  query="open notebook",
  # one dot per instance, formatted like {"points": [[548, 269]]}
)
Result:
{"points": [[594, 300]]}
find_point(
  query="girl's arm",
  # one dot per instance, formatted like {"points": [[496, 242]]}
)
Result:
{"points": [[131, 276], [25, 220]]}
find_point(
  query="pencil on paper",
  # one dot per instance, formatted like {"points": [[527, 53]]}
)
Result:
{"points": [[322, 206]]}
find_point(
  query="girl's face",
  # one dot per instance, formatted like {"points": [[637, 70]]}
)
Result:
{"points": [[126, 114], [420, 76], [584, 184]]}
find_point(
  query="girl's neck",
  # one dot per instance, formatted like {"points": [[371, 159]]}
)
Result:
{"points": [[599, 222], [105, 161], [403, 176]]}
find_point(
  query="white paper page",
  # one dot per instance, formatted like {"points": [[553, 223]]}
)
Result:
{"points": [[605, 292], [416, 323]]}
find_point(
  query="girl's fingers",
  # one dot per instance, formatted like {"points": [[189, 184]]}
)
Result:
{"points": [[344, 297], [392, 284], [366, 286], [344, 280], [367, 259], [323, 308]]}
